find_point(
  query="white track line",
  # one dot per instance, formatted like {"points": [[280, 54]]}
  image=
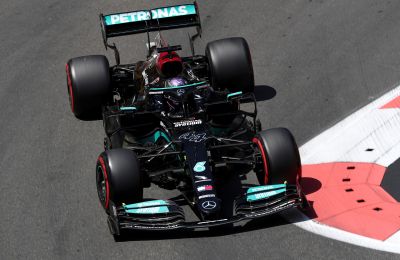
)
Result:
{"points": [[369, 127]]}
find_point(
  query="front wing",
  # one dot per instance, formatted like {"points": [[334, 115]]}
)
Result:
{"points": [[245, 209]]}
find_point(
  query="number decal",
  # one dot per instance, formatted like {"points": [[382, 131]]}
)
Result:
{"points": [[199, 167]]}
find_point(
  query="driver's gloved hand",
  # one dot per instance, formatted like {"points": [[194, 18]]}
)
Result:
{"points": [[174, 107], [175, 115], [175, 112], [199, 103], [158, 102]]}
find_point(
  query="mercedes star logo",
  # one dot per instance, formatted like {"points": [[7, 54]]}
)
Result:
{"points": [[209, 204], [180, 91]]}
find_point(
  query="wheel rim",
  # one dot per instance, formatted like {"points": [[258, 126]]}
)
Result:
{"points": [[264, 158], [102, 184]]}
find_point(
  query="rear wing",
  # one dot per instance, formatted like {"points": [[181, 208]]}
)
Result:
{"points": [[145, 21]]}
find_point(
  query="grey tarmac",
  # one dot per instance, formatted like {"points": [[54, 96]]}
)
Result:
{"points": [[315, 62]]}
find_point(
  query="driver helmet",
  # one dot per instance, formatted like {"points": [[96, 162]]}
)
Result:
{"points": [[169, 64], [175, 82]]}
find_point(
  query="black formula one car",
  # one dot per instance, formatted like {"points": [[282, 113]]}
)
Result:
{"points": [[178, 123]]}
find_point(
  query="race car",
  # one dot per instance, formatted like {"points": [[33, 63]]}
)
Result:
{"points": [[177, 122]]}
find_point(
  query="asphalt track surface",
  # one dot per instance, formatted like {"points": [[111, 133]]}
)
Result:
{"points": [[315, 62]]}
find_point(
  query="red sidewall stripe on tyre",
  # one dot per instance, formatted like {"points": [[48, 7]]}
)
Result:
{"points": [[69, 82], [264, 158], [105, 174]]}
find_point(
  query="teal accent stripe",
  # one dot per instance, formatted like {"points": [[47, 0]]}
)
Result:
{"points": [[159, 134], [153, 138], [184, 86], [127, 108], [146, 204], [234, 94], [165, 136]]}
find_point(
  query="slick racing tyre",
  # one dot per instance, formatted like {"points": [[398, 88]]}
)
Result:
{"points": [[230, 65], [280, 157], [118, 178], [88, 81]]}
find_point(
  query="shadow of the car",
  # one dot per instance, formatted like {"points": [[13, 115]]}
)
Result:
{"points": [[310, 185], [263, 92]]}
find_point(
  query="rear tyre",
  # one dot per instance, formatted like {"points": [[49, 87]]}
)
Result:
{"points": [[230, 65], [280, 157], [118, 178], [88, 81]]}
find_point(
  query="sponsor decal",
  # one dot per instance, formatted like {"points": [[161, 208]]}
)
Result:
{"points": [[155, 227], [212, 221], [205, 180], [208, 204], [147, 207], [193, 137], [199, 177], [151, 210], [156, 92], [266, 187], [205, 188], [207, 196], [159, 13], [188, 123], [264, 195]]}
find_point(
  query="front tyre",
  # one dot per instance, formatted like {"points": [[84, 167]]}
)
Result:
{"points": [[118, 178], [280, 157]]}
